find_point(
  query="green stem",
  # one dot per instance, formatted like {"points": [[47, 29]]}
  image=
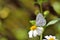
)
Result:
{"points": [[41, 12], [41, 37], [41, 8]]}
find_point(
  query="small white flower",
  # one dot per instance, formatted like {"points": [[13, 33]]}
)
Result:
{"points": [[40, 21], [35, 31], [50, 37]]}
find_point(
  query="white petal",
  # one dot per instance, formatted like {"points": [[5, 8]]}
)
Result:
{"points": [[30, 34], [35, 33], [39, 30], [54, 37], [44, 39], [47, 37], [51, 36]]}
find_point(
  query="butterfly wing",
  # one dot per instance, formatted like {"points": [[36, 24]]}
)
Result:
{"points": [[40, 21]]}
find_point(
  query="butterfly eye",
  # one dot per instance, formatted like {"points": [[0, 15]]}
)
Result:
{"points": [[40, 21]]}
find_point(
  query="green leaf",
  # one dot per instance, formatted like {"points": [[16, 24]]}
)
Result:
{"points": [[33, 22], [57, 27], [53, 22], [41, 1], [56, 7]]}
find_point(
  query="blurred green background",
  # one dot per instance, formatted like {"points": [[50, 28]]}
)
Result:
{"points": [[16, 14]]}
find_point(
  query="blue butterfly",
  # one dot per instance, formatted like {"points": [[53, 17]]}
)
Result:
{"points": [[40, 21]]}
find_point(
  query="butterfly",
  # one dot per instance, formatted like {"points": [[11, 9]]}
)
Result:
{"points": [[40, 21]]}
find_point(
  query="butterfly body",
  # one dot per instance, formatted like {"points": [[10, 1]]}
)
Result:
{"points": [[40, 21]]}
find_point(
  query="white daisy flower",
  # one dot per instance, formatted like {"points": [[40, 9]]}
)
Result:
{"points": [[35, 31], [40, 21], [50, 37]]}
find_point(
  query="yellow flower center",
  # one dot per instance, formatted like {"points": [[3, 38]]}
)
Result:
{"points": [[33, 27], [51, 39]]}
